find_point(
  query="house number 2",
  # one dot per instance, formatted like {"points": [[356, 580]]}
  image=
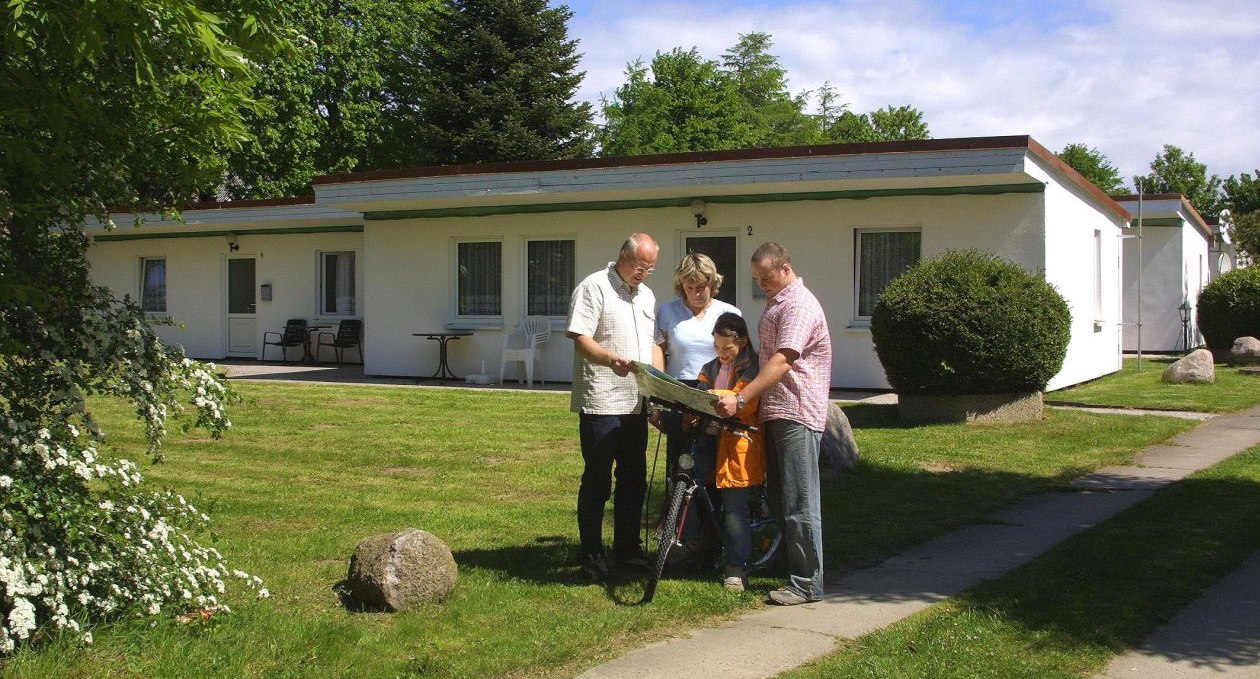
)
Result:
{"points": [[750, 229]]}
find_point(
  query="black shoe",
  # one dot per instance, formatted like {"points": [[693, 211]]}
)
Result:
{"points": [[635, 558], [595, 567]]}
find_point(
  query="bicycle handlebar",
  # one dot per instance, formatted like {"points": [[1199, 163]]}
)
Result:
{"points": [[724, 422]]}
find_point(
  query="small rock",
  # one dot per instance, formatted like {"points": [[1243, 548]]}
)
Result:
{"points": [[394, 571], [1195, 367], [1246, 351]]}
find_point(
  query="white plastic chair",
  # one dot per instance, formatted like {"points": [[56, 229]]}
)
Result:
{"points": [[522, 344]]}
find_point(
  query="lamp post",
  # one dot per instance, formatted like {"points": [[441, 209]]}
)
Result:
{"points": [[1184, 310]]}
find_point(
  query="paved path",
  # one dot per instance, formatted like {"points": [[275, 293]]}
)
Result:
{"points": [[771, 640]]}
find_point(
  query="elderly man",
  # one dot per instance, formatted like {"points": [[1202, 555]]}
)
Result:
{"points": [[612, 321], [794, 385]]}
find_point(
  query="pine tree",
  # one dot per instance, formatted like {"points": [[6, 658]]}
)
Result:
{"points": [[499, 84]]}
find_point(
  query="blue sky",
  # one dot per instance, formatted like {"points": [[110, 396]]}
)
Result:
{"points": [[1125, 76]]}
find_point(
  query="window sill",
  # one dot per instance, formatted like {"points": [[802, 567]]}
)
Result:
{"points": [[859, 324], [476, 324]]}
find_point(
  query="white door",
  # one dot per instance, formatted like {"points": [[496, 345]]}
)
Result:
{"points": [[242, 325]]}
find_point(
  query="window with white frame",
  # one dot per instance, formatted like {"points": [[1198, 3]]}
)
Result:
{"points": [[881, 256], [336, 283], [479, 278], [548, 277], [153, 284]]}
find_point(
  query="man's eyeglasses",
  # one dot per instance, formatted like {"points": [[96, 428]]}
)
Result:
{"points": [[645, 270]]}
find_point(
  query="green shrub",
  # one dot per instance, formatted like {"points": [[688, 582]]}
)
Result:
{"points": [[1229, 308], [970, 323]]}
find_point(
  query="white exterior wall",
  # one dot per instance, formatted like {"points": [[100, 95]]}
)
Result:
{"points": [[409, 267], [195, 286], [196, 282], [1175, 266], [1197, 265], [1072, 219]]}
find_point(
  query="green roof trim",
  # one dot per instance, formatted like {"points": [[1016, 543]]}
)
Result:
{"points": [[489, 210], [1157, 221], [349, 228]]}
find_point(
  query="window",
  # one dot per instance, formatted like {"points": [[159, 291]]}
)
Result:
{"points": [[548, 277], [881, 257], [336, 283], [153, 284], [479, 288]]}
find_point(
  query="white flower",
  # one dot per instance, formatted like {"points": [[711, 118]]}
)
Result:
{"points": [[5, 481]]}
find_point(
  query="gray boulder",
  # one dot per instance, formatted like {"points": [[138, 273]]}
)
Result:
{"points": [[1195, 367], [1246, 351], [838, 451], [394, 571]]}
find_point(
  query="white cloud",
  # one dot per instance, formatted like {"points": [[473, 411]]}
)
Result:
{"points": [[1125, 76]]}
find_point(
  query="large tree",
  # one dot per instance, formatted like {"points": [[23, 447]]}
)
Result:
{"points": [[345, 99], [777, 116], [102, 104], [1094, 166], [684, 103], [1175, 171], [499, 82], [1242, 197]]}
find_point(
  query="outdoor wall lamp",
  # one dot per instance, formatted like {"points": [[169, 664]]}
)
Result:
{"points": [[697, 208], [233, 246]]}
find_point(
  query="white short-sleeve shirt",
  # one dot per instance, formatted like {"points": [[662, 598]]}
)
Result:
{"points": [[604, 308], [689, 338]]}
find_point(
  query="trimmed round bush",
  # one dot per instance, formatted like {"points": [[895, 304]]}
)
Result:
{"points": [[970, 323], [1229, 308]]}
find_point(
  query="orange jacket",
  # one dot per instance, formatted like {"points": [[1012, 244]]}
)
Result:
{"points": [[741, 458]]}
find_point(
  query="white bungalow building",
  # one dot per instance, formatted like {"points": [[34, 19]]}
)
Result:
{"points": [[477, 247], [1168, 258]]}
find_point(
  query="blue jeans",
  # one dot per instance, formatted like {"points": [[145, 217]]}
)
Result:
{"points": [[731, 503], [792, 454], [608, 441]]}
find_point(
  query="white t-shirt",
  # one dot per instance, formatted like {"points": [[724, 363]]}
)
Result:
{"points": [[689, 338]]}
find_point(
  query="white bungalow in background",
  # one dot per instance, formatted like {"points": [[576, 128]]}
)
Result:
{"points": [[1177, 254], [228, 272], [478, 247]]}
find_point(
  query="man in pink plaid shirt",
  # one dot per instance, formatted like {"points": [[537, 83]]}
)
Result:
{"points": [[794, 385]]}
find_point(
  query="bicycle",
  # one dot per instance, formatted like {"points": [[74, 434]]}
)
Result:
{"points": [[683, 489]]}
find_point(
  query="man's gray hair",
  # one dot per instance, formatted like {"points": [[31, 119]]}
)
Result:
{"points": [[633, 242]]}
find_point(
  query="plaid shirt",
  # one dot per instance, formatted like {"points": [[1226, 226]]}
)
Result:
{"points": [[621, 320], [793, 319]]}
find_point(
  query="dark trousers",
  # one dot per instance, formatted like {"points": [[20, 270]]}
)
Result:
{"points": [[612, 442]]}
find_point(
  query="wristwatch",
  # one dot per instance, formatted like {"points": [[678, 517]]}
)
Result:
{"points": [[739, 401]]}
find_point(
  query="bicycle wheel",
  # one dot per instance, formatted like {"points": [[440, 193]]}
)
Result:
{"points": [[766, 533], [666, 536]]}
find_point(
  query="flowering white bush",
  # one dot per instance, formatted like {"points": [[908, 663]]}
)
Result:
{"points": [[81, 538]]}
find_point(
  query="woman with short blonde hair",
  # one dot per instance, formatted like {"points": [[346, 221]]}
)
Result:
{"points": [[697, 269], [686, 322]]}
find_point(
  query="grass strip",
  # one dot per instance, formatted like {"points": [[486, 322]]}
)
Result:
{"points": [[1139, 386], [1099, 594]]}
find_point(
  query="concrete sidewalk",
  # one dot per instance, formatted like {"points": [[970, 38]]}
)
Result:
{"points": [[772, 640]]}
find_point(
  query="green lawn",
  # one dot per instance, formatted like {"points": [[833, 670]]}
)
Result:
{"points": [[1134, 388], [308, 470]]}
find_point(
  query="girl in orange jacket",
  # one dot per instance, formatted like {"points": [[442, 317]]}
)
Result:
{"points": [[740, 457]]}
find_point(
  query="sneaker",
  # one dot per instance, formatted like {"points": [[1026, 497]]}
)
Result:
{"points": [[635, 558], [787, 597], [733, 583], [595, 567]]}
